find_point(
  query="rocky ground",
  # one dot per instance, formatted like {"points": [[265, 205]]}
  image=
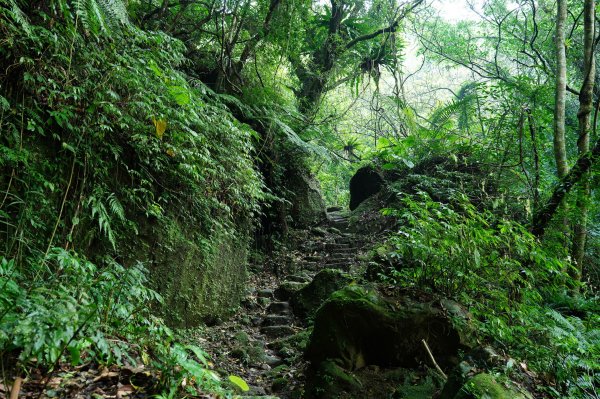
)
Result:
{"points": [[265, 341]]}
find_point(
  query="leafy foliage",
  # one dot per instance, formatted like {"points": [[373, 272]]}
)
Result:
{"points": [[508, 280]]}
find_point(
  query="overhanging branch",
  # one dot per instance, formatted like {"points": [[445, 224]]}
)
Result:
{"points": [[543, 217], [389, 29]]}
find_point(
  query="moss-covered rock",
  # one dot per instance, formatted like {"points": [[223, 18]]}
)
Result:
{"points": [[329, 380], [359, 326], [308, 207], [485, 386], [200, 280], [366, 182], [306, 301], [287, 289]]}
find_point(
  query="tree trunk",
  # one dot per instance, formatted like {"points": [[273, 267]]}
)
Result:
{"points": [[586, 99], [560, 152]]}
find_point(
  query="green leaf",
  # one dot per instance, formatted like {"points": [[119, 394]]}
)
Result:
{"points": [[239, 382], [75, 352], [180, 94]]}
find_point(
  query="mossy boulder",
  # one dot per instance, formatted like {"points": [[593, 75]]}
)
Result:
{"points": [[306, 300], [485, 386], [287, 289], [469, 381], [201, 280], [359, 326], [366, 182], [308, 207], [329, 380]]}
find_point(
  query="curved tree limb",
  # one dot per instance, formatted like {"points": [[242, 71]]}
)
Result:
{"points": [[544, 215]]}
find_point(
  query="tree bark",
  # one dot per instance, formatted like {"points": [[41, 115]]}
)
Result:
{"points": [[586, 106], [560, 152], [544, 215]]}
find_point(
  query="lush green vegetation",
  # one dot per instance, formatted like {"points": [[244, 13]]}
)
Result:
{"points": [[145, 145]]}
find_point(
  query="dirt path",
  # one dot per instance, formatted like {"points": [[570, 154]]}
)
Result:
{"points": [[263, 343]]}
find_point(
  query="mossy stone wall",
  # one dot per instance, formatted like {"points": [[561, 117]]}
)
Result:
{"points": [[201, 279]]}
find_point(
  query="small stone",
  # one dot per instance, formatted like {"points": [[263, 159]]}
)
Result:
{"points": [[265, 293], [276, 320], [318, 231], [279, 308], [298, 279], [277, 331], [254, 390], [264, 301], [273, 361]]}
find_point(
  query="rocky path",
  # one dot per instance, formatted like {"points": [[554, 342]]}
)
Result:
{"points": [[263, 343]]}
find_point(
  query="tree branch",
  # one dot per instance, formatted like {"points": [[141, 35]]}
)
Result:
{"points": [[543, 217], [389, 29]]}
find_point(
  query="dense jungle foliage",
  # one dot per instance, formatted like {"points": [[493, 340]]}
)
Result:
{"points": [[149, 149]]}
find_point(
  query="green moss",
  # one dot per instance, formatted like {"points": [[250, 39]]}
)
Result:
{"points": [[306, 301], [200, 280], [279, 384], [485, 386], [357, 326], [330, 380]]}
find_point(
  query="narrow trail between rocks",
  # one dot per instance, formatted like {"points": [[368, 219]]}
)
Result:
{"points": [[263, 342]]}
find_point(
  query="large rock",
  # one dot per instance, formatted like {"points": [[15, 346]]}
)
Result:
{"points": [[306, 301], [485, 386], [358, 326], [469, 380], [308, 207], [201, 281], [365, 183]]}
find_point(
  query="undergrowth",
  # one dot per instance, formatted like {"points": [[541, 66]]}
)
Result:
{"points": [[67, 309], [104, 139], [520, 294]]}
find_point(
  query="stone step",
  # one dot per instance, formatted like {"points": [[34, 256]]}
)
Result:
{"points": [[338, 260], [339, 265], [266, 293], [312, 258], [298, 279], [348, 249], [310, 265], [277, 331], [276, 320], [335, 246], [280, 308]]}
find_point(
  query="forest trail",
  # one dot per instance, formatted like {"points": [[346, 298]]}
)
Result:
{"points": [[263, 342]]}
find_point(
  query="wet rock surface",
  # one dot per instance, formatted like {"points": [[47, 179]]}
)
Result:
{"points": [[359, 326], [365, 183]]}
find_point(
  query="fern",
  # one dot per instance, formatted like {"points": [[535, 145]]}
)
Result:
{"points": [[11, 10], [99, 211], [442, 115], [116, 10], [102, 16]]}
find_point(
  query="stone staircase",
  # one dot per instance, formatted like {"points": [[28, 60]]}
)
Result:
{"points": [[269, 309], [331, 246]]}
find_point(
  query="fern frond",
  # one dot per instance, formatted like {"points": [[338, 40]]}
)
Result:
{"points": [[11, 10], [102, 16], [115, 207], [116, 10]]}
